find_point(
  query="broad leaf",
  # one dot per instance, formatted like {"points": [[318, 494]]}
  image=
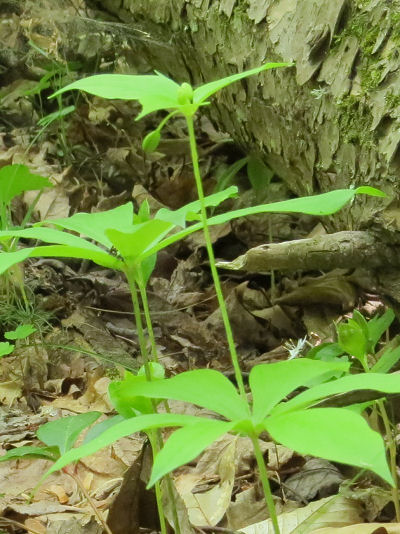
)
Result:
{"points": [[94, 225], [21, 332], [336, 434], [15, 179], [65, 251], [259, 174], [138, 238], [204, 387], [124, 400], [352, 339], [370, 381], [154, 92], [185, 444], [9, 259], [208, 89], [6, 348], [63, 432], [98, 429], [28, 451], [118, 431], [270, 383]]}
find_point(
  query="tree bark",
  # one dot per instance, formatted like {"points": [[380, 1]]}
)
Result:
{"points": [[329, 122]]}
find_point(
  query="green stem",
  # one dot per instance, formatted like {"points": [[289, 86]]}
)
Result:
{"points": [[153, 438], [214, 272], [265, 483], [392, 457], [149, 324]]}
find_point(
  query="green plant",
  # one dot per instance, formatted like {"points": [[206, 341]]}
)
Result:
{"points": [[357, 341], [137, 239]]}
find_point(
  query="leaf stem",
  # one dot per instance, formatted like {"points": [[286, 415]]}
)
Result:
{"points": [[265, 483], [210, 252]]}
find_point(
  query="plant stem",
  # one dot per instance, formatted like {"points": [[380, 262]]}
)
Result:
{"points": [[210, 252], [392, 457], [90, 501], [149, 324], [265, 483]]}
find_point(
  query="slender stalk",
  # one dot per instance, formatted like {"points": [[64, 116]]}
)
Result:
{"points": [[392, 457], [214, 272], [90, 501], [147, 316], [265, 483]]}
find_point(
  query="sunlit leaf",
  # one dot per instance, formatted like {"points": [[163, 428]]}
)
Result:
{"points": [[28, 451], [271, 383], [315, 432], [204, 387], [120, 430], [190, 441], [15, 179], [153, 91], [375, 381], [6, 348], [63, 432], [208, 89], [50, 235], [378, 325], [94, 225], [21, 332]]}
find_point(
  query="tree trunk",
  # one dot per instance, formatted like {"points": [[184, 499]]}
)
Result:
{"points": [[331, 121]]}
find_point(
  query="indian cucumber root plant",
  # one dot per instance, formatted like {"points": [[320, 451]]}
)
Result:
{"points": [[122, 240]]}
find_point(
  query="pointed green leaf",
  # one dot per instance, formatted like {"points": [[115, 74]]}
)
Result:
{"points": [[63, 251], [259, 174], [371, 191], [181, 215], [21, 332], [352, 339], [98, 429], [271, 382], [378, 325], [185, 444], [94, 225], [204, 387], [15, 179], [374, 381], [63, 432], [388, 359], [151, 141], [118, 431], [208, 89], [137, 238], [122, 396], [336, 434], [28, 451], [154, 92], [50, 235]]}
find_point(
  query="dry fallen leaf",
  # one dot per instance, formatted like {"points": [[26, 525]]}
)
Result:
{"points": [[364, 528]]}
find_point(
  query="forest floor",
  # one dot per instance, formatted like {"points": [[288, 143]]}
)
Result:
{"points": [[86, 335]]}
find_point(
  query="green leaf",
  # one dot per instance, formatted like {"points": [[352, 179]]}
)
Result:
{"points": [[94, 225], [270, 383], [151, 141], [227, 176], [204, 91], [47, 453], [377, 326], [9, 259], [154, 92], [21, 332], [335, 434], [137, 238], [374, 381], [352, 339], [259, 174], [15, 179], [63, 251], [204, 387], [189, 211], [190, 441], [371, 191], [63, 432], [6, 348], [388, 359], [124, 400], [50, 235], [98, 429], [325, 352], [120, 430]]}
